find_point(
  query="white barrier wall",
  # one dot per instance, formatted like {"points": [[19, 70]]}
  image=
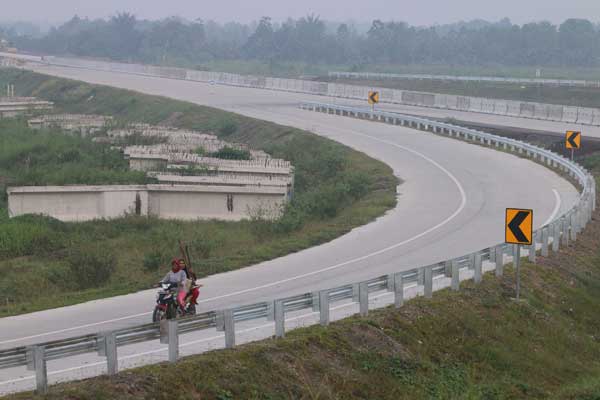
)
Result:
{"points": [[580, 115], [182, 202]]}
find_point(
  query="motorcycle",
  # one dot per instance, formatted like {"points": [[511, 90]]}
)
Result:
{"points": [[167, 306]]}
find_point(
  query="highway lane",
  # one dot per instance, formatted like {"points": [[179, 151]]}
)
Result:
{"points": [[451, 203]]}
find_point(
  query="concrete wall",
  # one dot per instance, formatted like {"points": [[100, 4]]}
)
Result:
{"points": [[183, 202]]}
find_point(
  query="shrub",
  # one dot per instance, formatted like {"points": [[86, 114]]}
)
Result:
{"points": [[91, 267], [153, 261], [227, 127], [230, 153]]}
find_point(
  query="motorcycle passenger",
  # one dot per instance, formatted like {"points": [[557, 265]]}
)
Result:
{"points": [[194, 292], [177, 275]]}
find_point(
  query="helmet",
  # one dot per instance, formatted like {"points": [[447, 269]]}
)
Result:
{"points": [[175, 266]]}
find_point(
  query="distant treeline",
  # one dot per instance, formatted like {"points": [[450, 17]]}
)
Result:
{"points": [[575, 42]]}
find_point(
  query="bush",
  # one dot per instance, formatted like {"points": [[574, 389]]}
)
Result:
{"points": [[227, 127], [153, 261], [92, 268], [230, 153]]}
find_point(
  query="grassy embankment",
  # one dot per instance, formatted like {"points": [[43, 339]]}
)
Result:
{"points": [[336, 189], [475, 344], [295, 69]]}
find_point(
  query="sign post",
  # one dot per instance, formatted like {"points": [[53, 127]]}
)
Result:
{"points": [[573, 141], [373, 99], [518, 231]]}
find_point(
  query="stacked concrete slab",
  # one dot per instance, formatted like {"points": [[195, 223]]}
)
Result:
{"points": [[83, 124], [15, 106]]}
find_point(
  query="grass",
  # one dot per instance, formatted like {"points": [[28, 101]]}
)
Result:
{"points": [[336, 190], [573, 96], [474, 344]]}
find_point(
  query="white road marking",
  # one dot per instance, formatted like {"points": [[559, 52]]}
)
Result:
{"points": [[557, 205]]}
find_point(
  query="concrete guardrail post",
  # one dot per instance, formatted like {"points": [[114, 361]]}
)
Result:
{"points": [[398, 290], [421, 276], [229, 328], [355, 292], [324, 307], [499, 260], [279, 319], [565, 231], [36, 361], [545, 235], [532, 248], [173, 340], [455, 275], [112, 360], [478, 268], [556, 236], [428, 284], [363, 299]]}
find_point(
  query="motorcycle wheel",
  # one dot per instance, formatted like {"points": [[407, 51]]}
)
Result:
{"points": [[191, 310], [158, 314]]}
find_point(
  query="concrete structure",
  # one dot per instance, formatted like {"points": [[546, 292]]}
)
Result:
{"points": [[14, 106], [82, 124], [182, 202]]}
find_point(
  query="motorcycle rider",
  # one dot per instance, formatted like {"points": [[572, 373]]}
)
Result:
{"points": [[177, 275]]}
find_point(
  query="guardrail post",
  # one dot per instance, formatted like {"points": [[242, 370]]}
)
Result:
{"points": [[556, 236], [363, 299], [398, 290], [499, 260], [36, 361], [324, 307], [279, 319], [545, 235], [455, 275], [112, 361], [565, 231], [428, 284], [229, 325], [574, 225], [477, 275], [173, 340], [532, 250]]}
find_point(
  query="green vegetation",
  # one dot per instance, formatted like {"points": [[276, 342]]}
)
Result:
{"points": [[475, 344], [230, 153], [310, 40], [573, 96], [336, 190]]}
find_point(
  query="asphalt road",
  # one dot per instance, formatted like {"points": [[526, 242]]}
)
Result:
{"points": [[451, 203]]}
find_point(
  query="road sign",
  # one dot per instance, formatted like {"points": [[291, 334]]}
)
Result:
{"points": [[373, 97], [573, 140], [519, 226]]}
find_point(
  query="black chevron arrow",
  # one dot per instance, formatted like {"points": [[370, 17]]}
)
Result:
{"points": [[572, 138], [515, 226], [373, 97]]}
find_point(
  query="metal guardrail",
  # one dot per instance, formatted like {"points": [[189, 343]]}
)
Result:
{"points": [[463, 78], [558, 232]]}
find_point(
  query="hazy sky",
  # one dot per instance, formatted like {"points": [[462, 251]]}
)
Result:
{"points": [[421, 12]]}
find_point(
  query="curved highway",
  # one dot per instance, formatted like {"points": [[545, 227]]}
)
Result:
{"points": [[451, 203]]}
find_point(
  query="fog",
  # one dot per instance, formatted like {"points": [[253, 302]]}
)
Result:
{"points": [[423, 12]]}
